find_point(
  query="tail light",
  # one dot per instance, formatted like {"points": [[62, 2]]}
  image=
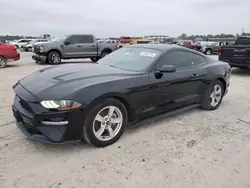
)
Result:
{"points": [[13, 47], [220, 52], [118, 46]]}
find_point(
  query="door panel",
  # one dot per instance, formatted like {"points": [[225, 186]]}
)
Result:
{"points": [[72, 50], [173, 90]]}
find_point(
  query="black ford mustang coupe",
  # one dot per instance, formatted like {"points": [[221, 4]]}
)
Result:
{"points": [[96, 101]]}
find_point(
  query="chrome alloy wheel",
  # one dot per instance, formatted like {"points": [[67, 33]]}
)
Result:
{"points": [[2, 62], [56, 58], [107, 123], [216, 95]]}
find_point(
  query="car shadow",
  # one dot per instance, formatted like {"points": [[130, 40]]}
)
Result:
{"points": [[240, 72]]}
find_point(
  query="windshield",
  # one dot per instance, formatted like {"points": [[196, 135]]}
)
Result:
{"points": [[59, 39], [133, 59]]}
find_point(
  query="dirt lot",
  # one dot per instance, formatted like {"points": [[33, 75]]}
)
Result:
{"points": [[195, 149]]}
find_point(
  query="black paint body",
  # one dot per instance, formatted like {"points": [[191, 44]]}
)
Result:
{"points": [[145, 94]]}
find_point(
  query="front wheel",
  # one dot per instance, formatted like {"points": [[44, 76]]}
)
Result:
{"points": [[208, 52], [105, 123], [3, 62], [95, 59], [54, 58], [213, 96]]}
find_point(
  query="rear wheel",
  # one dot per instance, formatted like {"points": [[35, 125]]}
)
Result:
{"points": [[94, 59], [105, 53], [105, 123], [3, 62], [213, 96], [54, 58]]}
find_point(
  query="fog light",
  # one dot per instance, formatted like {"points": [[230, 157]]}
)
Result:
{"points": [[54, 122]]}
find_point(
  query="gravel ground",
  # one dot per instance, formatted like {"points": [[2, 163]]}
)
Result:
{"points": [[195, 149]]}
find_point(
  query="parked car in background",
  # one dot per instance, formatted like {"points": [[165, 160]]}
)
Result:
{"points": [[28, 47], [96, 101], [237, 55], [204, 43], [189, 44], [72, 47], [21, 42], [214, 47], [8, 53], [137, 41], [111, 41], [125, 40]]}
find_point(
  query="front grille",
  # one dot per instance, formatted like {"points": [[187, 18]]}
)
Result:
{"points": [[36, 49], [25, 105]]}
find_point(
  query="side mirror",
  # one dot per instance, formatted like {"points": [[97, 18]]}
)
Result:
{"points": [[167, 68], [66, 43]]}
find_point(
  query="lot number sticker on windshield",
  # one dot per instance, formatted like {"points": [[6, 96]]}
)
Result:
{"points": [[147, 54]]}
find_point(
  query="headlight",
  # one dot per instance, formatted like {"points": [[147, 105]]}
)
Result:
{"points": [[42, 49], [60, 105]]}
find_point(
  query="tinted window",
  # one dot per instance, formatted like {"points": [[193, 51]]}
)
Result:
{"points": [[186, 43], [179, 59], [242, 41], [73, 40], [134, 59], [197, 59], [80, 39], [86, 39]]}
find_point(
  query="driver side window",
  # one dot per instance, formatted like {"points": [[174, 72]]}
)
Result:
{"points": [[72, 40], [179, 59]]}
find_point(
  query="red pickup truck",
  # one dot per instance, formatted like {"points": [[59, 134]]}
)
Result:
{"points": [[8, 52], [189, 44]]}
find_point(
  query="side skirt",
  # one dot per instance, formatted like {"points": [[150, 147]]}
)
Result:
{"points": [[167, 114]]}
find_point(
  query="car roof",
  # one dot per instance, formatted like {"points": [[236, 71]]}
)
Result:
{"points": [[162, 47]]}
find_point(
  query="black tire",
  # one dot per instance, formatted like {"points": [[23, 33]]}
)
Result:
{"points": [[105, 53], [88, 132], [54, 58], [208, 52], [95, 59], [206, 103], [3, 62]]}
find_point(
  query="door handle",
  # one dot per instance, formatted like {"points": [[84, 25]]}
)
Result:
{"points": [[195, 75]]}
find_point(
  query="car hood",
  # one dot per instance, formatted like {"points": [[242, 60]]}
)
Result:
{"points": [[56, 83]]}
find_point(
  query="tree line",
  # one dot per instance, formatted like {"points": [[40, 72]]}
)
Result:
{"points": [[222, 35]]}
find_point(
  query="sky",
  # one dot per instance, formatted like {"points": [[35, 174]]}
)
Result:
{"points": [[105, 18]]}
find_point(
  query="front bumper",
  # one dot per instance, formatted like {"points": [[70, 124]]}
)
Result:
{"points": [[30, 117], [40, 58]]}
